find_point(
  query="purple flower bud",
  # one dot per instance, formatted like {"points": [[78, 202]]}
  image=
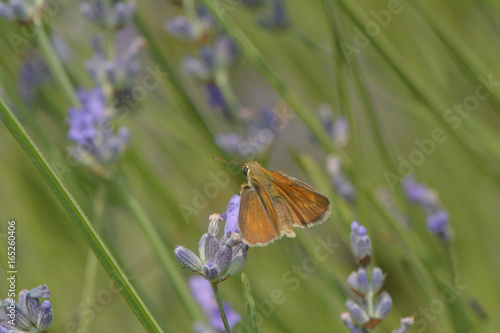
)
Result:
{"points": [[231, 214], [223, 258], [377, 280], [211, 272], [363, 247], [341, 132], [196, 68], [180, 28], [225, 52], [405, 325], [383, 306], [362, 281], [437, 221], [45, 317], [211, 248], [352, 281], [277, 19], [357, 312], [238, 260], [122, 14], [188, 259], [415, 192], [33, 307]]}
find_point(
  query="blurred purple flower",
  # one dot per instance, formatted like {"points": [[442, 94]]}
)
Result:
{"points": [[437, 221], [120, 72], [415, 192], [89, 128], [339, 181], [191, 30], [116, 16], [277, 19], [203, 294], [34, 72], [21, 11], [229, 142]]}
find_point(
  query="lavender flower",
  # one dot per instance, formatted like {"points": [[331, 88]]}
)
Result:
{"points": [[365, 312], [22, 11], [405, 325], [276, 19], [220, 56], [437, 219], [338, 128], [202, 293], [339, 181], [193, 30], [33, 74], [89, 128], [27, 315], [415, 192], [119, 72], [114, 17], [218, 259]]}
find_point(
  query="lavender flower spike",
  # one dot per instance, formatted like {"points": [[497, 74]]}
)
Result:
{"points": [[218, 259]]}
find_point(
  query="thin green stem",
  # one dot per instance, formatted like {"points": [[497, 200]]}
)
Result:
{"points": [[250, 304], [91, 267], [222, 81], [55, 65], [81, 220], [218, 298]]}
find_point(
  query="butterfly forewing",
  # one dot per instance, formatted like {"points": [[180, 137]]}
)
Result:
{"points": [[307, 206], [257, 220]]}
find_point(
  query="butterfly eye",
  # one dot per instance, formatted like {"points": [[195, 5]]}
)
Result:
{"points": [[245, 171]]}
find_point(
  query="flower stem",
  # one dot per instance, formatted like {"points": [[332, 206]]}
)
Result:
{"points": [[92, 263], [55, 65], [218, 298]]}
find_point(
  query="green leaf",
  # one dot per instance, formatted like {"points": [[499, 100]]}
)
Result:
{"points": [[249, 303]]}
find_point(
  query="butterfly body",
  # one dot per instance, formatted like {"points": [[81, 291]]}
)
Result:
{"points": [[272, 203]]}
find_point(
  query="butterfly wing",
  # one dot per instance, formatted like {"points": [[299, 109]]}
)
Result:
{"points": [[306, 206], [257, 219]]}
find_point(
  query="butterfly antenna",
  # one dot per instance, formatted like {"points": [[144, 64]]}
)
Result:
{"points": [[223, 160], [265, 149]]}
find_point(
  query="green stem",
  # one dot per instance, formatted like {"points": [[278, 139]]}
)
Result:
{"points": [[218, 298], [250, 304], [91, 267], [222, 81], [55, 65], [81, 220], [163, 253]]}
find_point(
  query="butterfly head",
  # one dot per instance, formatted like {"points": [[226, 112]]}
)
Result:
{"points": [[248, 166]]}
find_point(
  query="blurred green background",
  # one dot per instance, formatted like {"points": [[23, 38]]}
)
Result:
{"points": [[425, 60]]}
